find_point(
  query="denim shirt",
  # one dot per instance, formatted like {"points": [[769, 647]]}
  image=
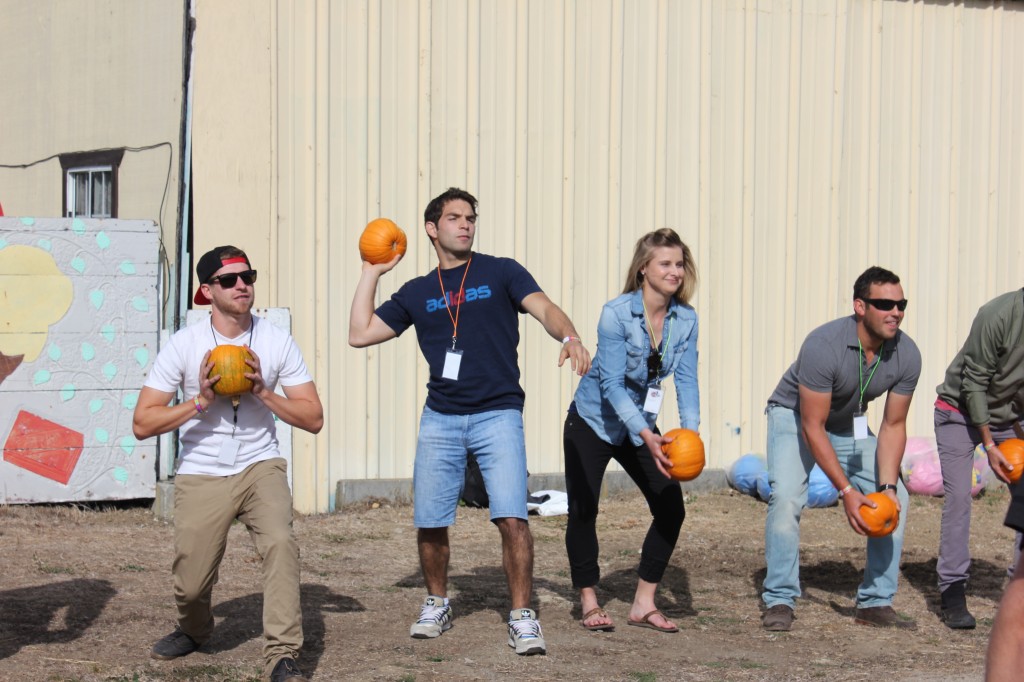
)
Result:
{"points": [[611, 396]]}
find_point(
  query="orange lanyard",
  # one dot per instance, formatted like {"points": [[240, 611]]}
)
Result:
{"points": [[458, 300]]}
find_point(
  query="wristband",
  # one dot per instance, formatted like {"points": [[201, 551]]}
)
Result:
{"points": [[886, 486], [199, 406], [989, 447], [570, 338], [845, 490]]}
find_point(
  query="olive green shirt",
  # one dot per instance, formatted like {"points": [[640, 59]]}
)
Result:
{"points": [[985, 381]]}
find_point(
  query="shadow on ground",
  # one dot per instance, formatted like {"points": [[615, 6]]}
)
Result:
{"points": [[50, 614], [241, 619]]}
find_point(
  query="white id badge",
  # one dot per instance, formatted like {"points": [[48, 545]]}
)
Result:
{"points": [[228, 451], [452, 361], [860, 426], [653, 402]]}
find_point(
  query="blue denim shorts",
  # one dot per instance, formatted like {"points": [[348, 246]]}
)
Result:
{"points": [[495, 438]]}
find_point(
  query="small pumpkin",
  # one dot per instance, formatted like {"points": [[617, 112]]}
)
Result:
{"points": [[229, 362], [883, 519], [1013, 451], [381, 241], [686, 452]]}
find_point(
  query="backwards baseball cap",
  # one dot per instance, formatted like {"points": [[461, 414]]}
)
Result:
{"points": [[210, 263]]}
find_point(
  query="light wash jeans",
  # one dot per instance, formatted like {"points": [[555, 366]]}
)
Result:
{"points": [[439, 472], [789, 465]]}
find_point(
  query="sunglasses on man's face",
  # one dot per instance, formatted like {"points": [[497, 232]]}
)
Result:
{"points": [[229, 279], [653, 365], [886, 304]]}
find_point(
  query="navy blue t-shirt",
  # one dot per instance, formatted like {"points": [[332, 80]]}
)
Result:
{"points": [[488, 333]]}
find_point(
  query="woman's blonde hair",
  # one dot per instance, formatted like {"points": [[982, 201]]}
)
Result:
{"points": [[643, 253]]}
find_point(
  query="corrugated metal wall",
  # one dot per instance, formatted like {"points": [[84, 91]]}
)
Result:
{"points": [[792, 144]]}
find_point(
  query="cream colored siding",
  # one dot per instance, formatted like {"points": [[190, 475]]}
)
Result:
{"points": [[85, 75], [792, 144]]}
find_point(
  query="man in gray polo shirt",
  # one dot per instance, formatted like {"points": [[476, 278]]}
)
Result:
{"points": [[817, 414]]}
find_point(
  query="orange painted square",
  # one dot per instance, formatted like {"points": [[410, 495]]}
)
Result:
{"points": [[43, 447]]}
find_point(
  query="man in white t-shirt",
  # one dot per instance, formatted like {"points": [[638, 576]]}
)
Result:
{"points": [[230, 466]]}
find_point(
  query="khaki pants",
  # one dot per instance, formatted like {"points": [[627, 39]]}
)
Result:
{"points": [[204, 508]]}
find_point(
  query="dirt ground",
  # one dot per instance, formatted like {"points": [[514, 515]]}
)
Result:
{"points": [[84, 593]]}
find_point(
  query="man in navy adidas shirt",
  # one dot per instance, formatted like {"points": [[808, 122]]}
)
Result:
{"points": [[474, 401]]}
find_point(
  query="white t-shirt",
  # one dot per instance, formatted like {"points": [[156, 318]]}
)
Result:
{"points": [[203, 437]]}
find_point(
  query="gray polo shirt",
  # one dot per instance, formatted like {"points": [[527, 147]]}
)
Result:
{"points": [[828, 363]]}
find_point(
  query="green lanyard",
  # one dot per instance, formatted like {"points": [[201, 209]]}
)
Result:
{"points": [[860, 368], [665, 339]]}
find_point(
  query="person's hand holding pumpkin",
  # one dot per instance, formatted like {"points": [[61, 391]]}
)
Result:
{"points": [[259, 387], [852, 501], [206, 382]]}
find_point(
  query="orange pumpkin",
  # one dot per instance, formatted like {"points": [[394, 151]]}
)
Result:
{"points": [[883, 519], [686, 452], [229, 362], [381, 241], [1013, 451]]}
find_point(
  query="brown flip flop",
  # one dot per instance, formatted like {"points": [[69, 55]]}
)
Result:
{"points": [[604, 627], [645, 622]]}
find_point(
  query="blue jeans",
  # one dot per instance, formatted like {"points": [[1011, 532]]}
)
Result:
{"points": [[495, 438], [789, 465]]}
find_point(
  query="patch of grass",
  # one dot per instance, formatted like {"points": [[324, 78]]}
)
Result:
{"points": [[644, 677], [131, 568], [334, 537], [408, 677], [51, 569]]}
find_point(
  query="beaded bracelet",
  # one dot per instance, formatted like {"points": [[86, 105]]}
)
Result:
{"points": [[199, 406], [845, 490], [571, 338]]}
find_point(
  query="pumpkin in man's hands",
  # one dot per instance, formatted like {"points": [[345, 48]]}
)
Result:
{"points": [[381, 241], [881, 520], [229, 362]]}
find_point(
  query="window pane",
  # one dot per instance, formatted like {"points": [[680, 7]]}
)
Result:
{"points": [[80, 202], [101, 195]]}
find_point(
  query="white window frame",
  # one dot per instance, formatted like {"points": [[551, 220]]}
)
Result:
{"points": [[72, 192], [74, 164]]}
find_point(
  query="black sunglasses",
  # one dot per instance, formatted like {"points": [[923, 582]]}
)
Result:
{"points": [[229, 279], [887, 304], [653, 365]]}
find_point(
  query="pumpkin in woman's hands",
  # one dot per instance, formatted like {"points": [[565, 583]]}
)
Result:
{"points": [[686, 452], [881, 520], [381, 241], [229, 362]]}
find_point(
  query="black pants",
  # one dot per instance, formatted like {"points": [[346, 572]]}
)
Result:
{"points": [[586, 459]]}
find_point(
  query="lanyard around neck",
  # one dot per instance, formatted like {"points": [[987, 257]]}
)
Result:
{"points": [[235, 399], [458, 300], [665, 339], [252, 326], [860, 371]]}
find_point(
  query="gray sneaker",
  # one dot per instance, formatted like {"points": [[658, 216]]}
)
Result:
{"points": [[435, 618], [174, 645], [524, 633]]}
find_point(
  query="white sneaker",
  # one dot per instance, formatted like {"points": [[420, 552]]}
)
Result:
{"points": [[435, 618], [524, 633]]}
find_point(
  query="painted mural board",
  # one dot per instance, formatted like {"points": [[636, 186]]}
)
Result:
{"points": [[79, 320]]}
